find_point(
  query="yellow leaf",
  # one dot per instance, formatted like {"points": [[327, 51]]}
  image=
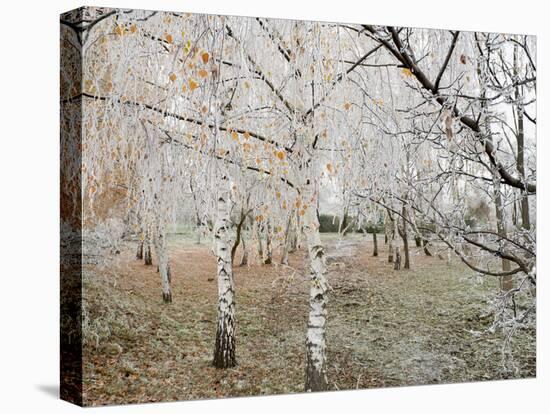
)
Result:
{"points": [[119, 30], [281, 155], [203, 73], [205, 56], [235, 136], [407, 72], [193, 85]]}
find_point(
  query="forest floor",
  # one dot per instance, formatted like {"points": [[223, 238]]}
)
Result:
{"points": [[425, 325]]}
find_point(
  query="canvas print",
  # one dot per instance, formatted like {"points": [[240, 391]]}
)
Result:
{"points": [[256, 206]]}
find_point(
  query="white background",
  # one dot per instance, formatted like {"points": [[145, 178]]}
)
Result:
{"points": [[29, 206]]}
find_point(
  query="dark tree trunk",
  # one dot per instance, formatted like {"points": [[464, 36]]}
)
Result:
{"points": [[418, 241], [405, 238], [260, 244], [139, 254], [389, 230], [397, 263], [375, 243], [167, 297], [148, 257], [407, 264], [268, 248], [244, 259], [238, 237], [506, 282], [425, 245], [525, 221]]}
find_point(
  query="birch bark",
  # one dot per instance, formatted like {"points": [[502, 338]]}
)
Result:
{"points": [[224, 349], [163, 265], [316, 376]]}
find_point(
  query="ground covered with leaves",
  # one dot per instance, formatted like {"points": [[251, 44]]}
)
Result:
{"points": [[430, 324]]}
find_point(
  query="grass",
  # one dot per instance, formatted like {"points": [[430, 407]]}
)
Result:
{"points": [[386, 328]]}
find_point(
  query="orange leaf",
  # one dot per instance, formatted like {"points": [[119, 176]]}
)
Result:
{"points": [[281, 155], [173, 77], [168, 37], [329, 167], [203, 73], [235, 136], [347, 105], [205, 56], [119, 30], [193, 85]]}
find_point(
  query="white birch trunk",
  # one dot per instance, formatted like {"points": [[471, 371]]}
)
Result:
{"points": [[224, 350], [316, 376], [391, 235], [163, 265], [288, 236]]}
